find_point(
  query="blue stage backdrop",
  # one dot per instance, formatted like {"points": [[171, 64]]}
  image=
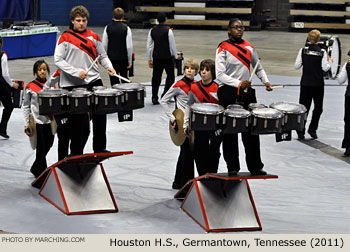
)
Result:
{"points": [[16, 9], [58, 11]]}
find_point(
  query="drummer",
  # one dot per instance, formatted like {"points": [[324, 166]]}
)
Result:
{"points": [[180, 90], [44, 136], [314, 61], [233, 59], [206, 143], [77, 50]]}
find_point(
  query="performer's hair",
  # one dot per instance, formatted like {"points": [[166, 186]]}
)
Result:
{"points": [[191, 63], [232, 20], [37, 64], [118, 13], [209, 64], [161, 17], [79, 11], [314, 36]]}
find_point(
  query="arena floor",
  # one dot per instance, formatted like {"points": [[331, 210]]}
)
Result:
{"points": [[310, 196]]}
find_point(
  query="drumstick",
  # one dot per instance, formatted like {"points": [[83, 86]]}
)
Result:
{"points": [[254, 70], [92, 64], [121, 77], [251, 75], [281, 86]]}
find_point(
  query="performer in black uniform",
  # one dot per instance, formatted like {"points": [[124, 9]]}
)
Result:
{"points": [[314, 60], [343, 77], [5, 96], [117, 42], [233, 59], [163, 55]]}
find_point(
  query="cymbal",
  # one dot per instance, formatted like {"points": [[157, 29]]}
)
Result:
{"points": [[177, 136], [32, 127]]}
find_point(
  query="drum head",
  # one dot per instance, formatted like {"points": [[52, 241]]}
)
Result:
{"points": [[98, 88], [289, 107], [107, 92], [334, 51], [252, 106], [267, 113], [52, 92], [237, 113], [207, 108], [233, 106], [79, 92], [129, 87]]}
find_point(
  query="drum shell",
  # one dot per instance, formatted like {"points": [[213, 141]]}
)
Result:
{"points": [[108, 104], [133, 96], [205, 122], [133, 99], [79, 105], [53, 105], [234, 125], [294, 121], [261, 126]]}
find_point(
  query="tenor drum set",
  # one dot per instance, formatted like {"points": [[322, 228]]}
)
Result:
{"points": [[258, 120], [100, 100]]}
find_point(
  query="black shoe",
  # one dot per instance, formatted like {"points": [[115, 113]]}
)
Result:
{"points": [[258, 172], [301, 135], [176, 186], [312, 134], [155, 101], [102, 151], [347, 152], [232, 173], [4, 135]]}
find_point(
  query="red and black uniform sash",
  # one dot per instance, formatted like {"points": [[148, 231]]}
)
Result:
{"points": [[238, 50], [184, 84], [81, 41], [35, 85], [204, 93]]}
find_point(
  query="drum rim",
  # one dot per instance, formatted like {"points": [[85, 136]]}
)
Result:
{"points": [[240, 106], [117, 86], [257, 103], [289, 112], [280, 114], [208, 112], [116, 93], [80, 95], [63, 92], [247, 115]]}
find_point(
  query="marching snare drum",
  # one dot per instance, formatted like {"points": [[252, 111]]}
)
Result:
{"points": [[236, 120], [266, 121], [79, 101], [206, 116], [107, 100], [52, 101], [134, 95], [294, 115], [252, 106]]}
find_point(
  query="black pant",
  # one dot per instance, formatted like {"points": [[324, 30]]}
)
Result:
{"points": [[5, 98], [185, 164], [44, 143], [158, 66], [121, 67], [62, 135], [207, 151], [307, 94], [228, 95], [99, 125], [346, 139]]}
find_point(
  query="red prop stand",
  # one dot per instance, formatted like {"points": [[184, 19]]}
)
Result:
{"points": [[78, 184], [221, 202]]}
